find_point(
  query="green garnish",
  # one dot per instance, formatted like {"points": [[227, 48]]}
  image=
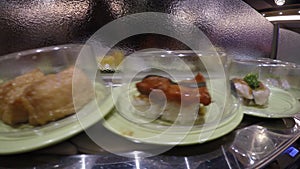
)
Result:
{"points": [[252, 80]]}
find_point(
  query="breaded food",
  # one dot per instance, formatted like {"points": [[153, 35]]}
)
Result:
{"points": [[51, 98], [11, 109], [38, 99]]}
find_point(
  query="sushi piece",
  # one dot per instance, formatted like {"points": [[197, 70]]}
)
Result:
{"points": [[185, 92], [183, 102], [261, 94], [253, 91], [242, 88]]}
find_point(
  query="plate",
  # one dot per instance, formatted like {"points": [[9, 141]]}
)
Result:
{"points": [[20, 140], [282, 104], [120, 126], [173, 135]]}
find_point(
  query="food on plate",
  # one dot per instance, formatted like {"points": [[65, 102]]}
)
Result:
{"points": [[40, 99], [111, 61], [11, 109], [253, 91], [51, 99], [186, 100]]}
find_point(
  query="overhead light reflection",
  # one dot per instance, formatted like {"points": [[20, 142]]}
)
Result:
{"points": [[279, 2], [83, 166], [187, 163], [284, 18], [137, 160]]}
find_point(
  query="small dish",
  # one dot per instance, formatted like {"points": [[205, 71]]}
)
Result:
{"points": [[24, 137], [210, 120], [136, 133], [221, 115], [281, 78], [152, 133]]}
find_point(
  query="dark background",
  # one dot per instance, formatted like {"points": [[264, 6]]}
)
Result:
{"points": [[233, 26]]}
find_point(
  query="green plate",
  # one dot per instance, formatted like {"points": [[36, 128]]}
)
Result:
{"points": [[119, 125], [25, 138], [173, 134], [282, 104]]}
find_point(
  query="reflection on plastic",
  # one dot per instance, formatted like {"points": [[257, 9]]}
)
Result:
{"points": [[255, 143]]}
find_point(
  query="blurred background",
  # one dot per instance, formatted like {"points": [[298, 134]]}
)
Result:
{"points": [[241, 28]]}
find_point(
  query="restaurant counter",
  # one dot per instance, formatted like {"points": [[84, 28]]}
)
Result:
{"points": [[268, 152]]}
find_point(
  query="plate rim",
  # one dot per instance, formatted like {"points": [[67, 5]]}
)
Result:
{"points": [[15, 145], [114, 119], [133, 91], [247, 110]]}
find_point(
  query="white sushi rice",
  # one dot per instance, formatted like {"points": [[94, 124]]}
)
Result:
{"points": [[170, 111]]}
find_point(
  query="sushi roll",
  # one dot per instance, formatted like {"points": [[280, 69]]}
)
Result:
{"points": [[251, 90]]}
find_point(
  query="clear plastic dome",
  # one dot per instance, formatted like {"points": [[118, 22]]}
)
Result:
{"points": [[158, 111], [276, 94], [21, 136]]}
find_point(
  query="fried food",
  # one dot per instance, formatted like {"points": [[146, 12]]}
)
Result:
{"points": [[39, 99], [51, 98], [11, 109]]}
